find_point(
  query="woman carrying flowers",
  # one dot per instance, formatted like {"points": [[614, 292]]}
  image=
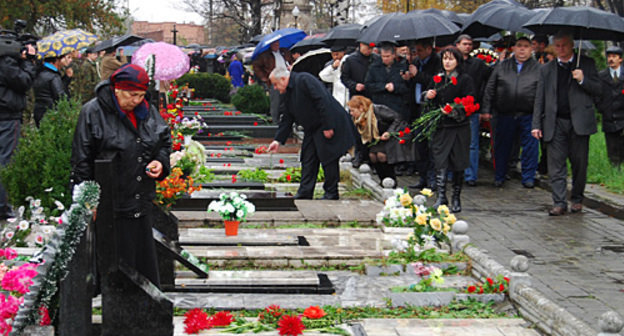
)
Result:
{"points": [[376, 124], [450, 94]]}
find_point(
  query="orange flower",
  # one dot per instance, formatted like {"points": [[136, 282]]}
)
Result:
{"points": [[314, 312]]}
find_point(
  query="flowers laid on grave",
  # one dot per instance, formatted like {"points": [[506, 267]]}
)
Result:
{"points": [[500, 284], [190, 126], [173, 187], [15, 282], [193, 260], [431, 226], [430, 276], [293, 175], [232, 206], [290, 325], [31, 227]]}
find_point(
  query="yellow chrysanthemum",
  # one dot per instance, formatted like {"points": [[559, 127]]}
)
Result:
{"points": [[451, 219], [421, 219], [443, 210], [427, 192], [405, 200], [446, 228], [436, 224]]}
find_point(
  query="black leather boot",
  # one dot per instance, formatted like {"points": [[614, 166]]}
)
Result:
{"points": [[441, 188], [458, 181]]}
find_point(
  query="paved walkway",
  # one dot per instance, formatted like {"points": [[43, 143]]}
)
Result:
{"points": [[577, 260]]}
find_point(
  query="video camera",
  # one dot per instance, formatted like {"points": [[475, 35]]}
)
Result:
{"points": [[13, 42]]}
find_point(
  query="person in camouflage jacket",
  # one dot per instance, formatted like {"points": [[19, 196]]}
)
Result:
{"points": [[87, 77]]}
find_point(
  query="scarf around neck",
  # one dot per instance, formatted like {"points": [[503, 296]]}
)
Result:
{"points": [[367, 125]]}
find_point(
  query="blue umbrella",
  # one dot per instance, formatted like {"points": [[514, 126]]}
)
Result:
{"points": [[287, 38]]}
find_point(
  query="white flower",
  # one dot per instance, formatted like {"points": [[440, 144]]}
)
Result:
{"points": [[240, 214], [49, 189], [12, 220], [47, 229], [39, 240], [59, 205], [9, 235], [23, 225], [37, 202], [379, 218]]}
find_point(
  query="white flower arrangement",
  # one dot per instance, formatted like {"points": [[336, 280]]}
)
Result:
{"points": [[232, 206], [190, 126], [30, 228]]}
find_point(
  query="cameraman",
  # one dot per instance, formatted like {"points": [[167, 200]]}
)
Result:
{"points": [[16, 78]]}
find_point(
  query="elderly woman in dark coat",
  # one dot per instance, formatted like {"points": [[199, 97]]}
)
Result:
{"points": [[120, 119], [450, 143], [375, 123]]}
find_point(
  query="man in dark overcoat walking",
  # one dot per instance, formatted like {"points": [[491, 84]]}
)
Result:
{"points": [[328, 130], [564, 116], [611, 105]]}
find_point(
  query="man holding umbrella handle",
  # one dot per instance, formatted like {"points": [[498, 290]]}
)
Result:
{"points": [[563, 115]]}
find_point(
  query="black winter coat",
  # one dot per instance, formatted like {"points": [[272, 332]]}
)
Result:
{"points": [[424, 75], [354, 71], [102, 127], [376, 79], [511, 93], [308, 104], [611, 102], [390, 121], [479, 72], [49, 88], [448, 93], [16, 78]]}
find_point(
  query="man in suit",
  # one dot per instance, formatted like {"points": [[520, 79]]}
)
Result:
{"points": [[262, 67], [611, 105], [328, 130], [563, 115]]}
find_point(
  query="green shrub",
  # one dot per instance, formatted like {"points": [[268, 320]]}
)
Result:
{"points": [[255, 175], [208, 85], [42, 159], [251, 99]]}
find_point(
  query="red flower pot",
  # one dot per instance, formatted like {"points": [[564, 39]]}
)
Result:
{"points": [[231, 227]]}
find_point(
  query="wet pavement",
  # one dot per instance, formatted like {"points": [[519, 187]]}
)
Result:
{"points": [[577, 260]]}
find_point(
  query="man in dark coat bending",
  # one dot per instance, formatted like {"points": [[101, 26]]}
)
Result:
{"points": [[328, 130]]}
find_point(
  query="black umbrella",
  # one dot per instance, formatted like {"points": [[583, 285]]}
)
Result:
{"points": [[452, 16], [401, 27], [312, 61], [117, 41], [343, 35], [495, 16], [307, 44], [586, 23]]}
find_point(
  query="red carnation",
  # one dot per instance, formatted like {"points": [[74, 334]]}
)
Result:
{"points": [[501, 288], [402, 141], [506, 279], [237, 112], [457, 100], [407, 130], [195, 320], [218, 154], [622, 91], [274, 310], [45, 316], [472, 289], [288, 178], [227, 143], [454, 80], [196, 113], [255, 123], [372, 45], [233, 178], [437, 79], [281, 161], [488, 58], [490, 281], [480, 290], [447, 109], [480, 56], [290, 325], [314, 312], [401, 134], [170, 107], [176, 146], [221, 319]]}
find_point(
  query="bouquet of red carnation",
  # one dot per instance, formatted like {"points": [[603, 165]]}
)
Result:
{"points": [[459, 110]]}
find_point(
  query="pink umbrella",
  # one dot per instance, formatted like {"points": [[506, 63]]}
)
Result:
{"points": [[171, 61]]}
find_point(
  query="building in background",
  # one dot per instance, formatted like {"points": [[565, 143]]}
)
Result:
{"points": [[186, 34]]}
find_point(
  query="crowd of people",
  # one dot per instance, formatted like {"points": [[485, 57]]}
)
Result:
{"points": [[535, 98]]}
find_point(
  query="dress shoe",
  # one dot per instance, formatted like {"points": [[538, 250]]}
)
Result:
{"points": [[299, 196], [471, 183], [576, 207], [499, 184], [528, 185], [557, 211], [329, 197]]}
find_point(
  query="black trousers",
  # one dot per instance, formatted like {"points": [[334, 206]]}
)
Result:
{"points": [[566, 144], [309, 170], [136, 245], [615, 146]]}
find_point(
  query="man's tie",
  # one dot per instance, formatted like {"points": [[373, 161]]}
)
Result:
{"points": [[615, 76]]}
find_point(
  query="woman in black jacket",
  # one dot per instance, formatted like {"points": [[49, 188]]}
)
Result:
{"points": [[120, 119], [450, 143], [49, 87], [375, 123]]}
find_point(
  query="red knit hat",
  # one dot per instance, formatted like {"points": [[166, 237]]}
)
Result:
{"points": [[130, 77]]}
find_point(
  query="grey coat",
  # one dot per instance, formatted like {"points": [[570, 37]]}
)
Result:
{"points": [[581, 100]]}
